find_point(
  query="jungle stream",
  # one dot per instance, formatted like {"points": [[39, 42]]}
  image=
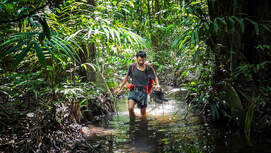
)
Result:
{"points": [[168, 127]]}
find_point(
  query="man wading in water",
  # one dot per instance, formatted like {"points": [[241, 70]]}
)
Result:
{"points": [[141, 73]]}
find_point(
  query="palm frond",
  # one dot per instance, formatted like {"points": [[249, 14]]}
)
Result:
{"points": [[20, 56], [20, 44], [111, 33]]}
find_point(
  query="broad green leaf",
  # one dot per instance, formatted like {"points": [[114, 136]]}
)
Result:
{"points": [[20, 56], [106, 32], [184, 41], [24, 35], [255, 24], [175, 42], [135, 37], [128, 36], [207, 26], [170, 26], [267, 46], [232, 23], [241, 22], [76, 44], [3, 2], [222, 20], [197, 36], [49, 49], [89, 33], [58, 44], [193, 38], [69, 46], [266, 28], [10, 41], [112, 33], [118, 36], [76, 33], [52, 45], [195, 2], [215, 26], [19, 45], [39, 52], [89, 64], [63, 44], [242, 25]]}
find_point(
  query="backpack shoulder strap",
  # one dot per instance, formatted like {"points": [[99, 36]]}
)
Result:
{"points": [[148, 67], [133, 66]]}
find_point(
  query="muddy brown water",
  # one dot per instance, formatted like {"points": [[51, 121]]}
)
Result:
{"points": [[165, 130]]}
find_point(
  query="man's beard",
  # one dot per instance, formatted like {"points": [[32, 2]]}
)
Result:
{"points": [[140, 64]]}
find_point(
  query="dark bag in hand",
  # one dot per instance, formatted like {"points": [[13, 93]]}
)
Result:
{"points": [[158, 96]]}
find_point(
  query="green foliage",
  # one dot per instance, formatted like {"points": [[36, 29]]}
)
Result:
{"points": [[199, 61], [231, 107], [99, 30], [18, 85], [52, 33], [248, 70], [19, 44], [248, 122]]}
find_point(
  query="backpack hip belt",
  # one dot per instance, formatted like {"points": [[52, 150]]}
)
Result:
{"points": [[133, 87]]}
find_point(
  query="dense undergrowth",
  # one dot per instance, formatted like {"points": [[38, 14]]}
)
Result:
{"points": [[60, 62]]}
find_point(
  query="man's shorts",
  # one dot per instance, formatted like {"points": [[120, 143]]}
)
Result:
{"points": [[139, 96]]}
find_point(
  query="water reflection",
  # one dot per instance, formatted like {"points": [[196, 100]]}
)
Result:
{"points": [[159, 131], [141, 136], [164, 130]]}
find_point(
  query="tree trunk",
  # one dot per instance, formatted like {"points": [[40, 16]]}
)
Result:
{"points": [[88, 56], [91, 74], [157, 10], [149, 12]]}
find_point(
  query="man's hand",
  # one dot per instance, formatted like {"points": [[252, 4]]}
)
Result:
{"points": [[157, 87], [117, 91], [125, 80]]}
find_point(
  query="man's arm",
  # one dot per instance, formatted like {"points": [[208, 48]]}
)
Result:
{"points": [[157, 85], [125, 80], [156, 80]]}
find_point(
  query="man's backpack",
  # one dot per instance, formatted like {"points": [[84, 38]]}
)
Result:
{"points": [[151, 80]]}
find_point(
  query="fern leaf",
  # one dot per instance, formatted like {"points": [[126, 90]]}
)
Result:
{"points": [[69, 47], [63, 47]]}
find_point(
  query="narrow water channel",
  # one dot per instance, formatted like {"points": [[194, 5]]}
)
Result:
{"points": [[168, 127]]}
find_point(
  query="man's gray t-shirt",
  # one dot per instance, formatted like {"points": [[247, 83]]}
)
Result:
{"points": [[140, 78]]}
